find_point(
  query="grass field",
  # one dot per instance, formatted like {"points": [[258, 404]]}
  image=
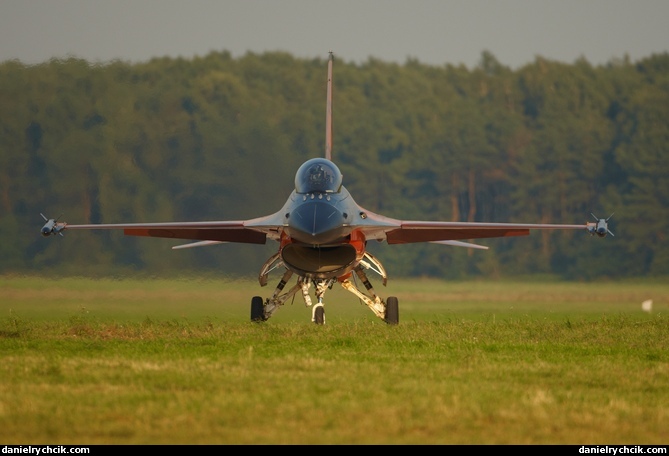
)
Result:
{"points": [[159, 361]]}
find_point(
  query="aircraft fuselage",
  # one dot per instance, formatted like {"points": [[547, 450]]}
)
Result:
{"points": [[318, 241]]}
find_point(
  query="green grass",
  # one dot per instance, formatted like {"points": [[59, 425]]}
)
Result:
{"points": [[178, 361]]}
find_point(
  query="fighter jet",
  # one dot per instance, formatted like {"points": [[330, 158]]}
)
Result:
{"points": [[322, 235]]}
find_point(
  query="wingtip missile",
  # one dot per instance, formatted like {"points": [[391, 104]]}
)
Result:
{"points": [[601, 228], [52, 226]]}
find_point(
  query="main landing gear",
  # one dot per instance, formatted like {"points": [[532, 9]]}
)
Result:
{"points": [[387, 311]]}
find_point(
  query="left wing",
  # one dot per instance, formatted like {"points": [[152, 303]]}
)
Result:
{"points": [[423, 231], [395, 231]]}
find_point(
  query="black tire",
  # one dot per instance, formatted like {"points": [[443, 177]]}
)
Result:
{"points": [[257, 309], [319, 315], [392, 311]]}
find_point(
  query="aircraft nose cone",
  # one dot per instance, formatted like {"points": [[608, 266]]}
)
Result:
{"points": [[316, 222]]}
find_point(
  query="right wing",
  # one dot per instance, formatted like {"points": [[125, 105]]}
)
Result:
{"points": [[222, 231]]}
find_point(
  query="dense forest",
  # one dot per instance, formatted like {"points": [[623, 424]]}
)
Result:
{"points": [[220, 138]]}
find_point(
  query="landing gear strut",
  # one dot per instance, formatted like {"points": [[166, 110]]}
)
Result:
{"points": [[262, 310]]}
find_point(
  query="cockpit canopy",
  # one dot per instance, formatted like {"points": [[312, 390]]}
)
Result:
{"points": [[318, 175]]}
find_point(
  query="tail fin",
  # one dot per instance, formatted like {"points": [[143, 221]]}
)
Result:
{"points": [[328, 112]]}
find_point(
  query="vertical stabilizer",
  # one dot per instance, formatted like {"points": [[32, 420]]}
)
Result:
{"points": [[328, 112]]}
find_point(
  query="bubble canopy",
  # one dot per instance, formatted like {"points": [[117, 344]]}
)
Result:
{"points": [[318, 175]]}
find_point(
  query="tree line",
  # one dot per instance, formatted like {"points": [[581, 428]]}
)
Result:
{"points": [[217, 138]]}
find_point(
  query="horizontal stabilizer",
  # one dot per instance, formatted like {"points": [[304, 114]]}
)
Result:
{"points": [[196, 244], [461, 244]]}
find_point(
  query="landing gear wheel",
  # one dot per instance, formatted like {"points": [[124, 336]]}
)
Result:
{"points": [[319, 314], [257, 309], [392, 311]]}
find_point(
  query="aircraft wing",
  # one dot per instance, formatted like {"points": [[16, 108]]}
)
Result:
{"points": [[223, 231], [425, 231], [393, 231]]}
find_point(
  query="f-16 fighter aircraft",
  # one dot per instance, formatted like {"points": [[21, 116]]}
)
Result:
{"points": [[322, 235]]}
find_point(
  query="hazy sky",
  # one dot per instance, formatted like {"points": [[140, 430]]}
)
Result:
{"points": [[435, 32]]}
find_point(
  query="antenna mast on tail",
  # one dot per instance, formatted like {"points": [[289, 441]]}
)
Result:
{"points": [[328, 112]]}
